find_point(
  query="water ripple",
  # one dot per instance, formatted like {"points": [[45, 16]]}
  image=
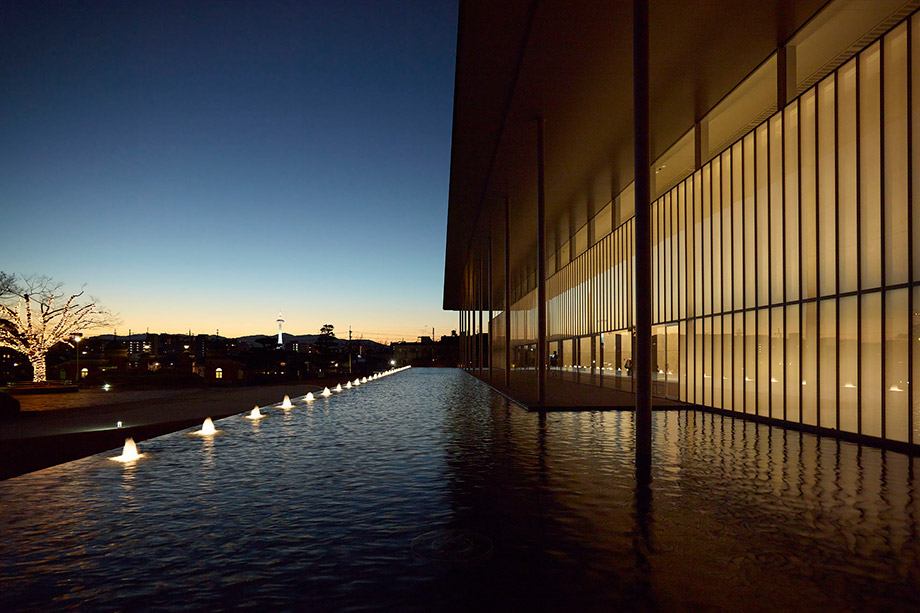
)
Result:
{"points": [[428, 491]]}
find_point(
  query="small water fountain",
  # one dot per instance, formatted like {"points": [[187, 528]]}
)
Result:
{"points": [[310, 397], [338, 388], [255, 414], [129, 453], [363, 379], [326, 392], [357, 382], [347, 385], [286, 404], [207, 428]]}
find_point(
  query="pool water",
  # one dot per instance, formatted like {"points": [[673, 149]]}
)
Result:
{"points": [[426, 490]]}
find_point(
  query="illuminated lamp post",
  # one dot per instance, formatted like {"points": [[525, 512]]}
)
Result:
{"points": [[76, 339]]}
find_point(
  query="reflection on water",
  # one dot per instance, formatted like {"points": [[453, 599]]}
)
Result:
{"points": [[428, 491]]}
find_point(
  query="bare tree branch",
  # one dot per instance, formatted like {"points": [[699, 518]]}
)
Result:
{"points": [[35, 335]]}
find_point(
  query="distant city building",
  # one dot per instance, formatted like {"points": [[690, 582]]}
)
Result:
{"points": [[427, 352]]}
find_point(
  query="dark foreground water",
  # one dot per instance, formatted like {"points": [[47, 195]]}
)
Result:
{"points": [[426, 490]]}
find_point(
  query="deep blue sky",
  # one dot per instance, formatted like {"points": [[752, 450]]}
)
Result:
{"points": [[204, 165]]}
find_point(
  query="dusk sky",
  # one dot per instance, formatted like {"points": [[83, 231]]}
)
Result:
{"points": [[204, 165]]}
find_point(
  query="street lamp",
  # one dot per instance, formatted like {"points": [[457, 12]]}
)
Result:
{"points": [[76, 339]]}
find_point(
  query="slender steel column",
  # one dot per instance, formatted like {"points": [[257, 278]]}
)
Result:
{"points": [[507, 293], [541, 268], [491, 291], [643, 236], [460, 329], [481, 343]]}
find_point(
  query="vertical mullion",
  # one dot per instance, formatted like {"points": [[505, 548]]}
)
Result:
{"points": [[798, 157], [712, 293], [910, 236], [688, 267], [837, 242], [858, 246], [881, 72], [769, 287], [756, 282], [731, 190], [782, 162], [817, 236]]}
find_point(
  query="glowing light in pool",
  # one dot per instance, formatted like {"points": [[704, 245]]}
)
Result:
{"points": [[255, 414], [287, 403], [363, 379], [207, 428], [357, 382], [347, 385], [338, 388], [310, 397], [129, 453], [326, 392]]}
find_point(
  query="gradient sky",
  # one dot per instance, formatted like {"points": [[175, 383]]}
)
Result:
{"points": [[204, 165]]}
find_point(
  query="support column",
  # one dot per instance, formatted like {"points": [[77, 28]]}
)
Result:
{"points": [[541, 268], [481, 305], [507, 293], [785, 75], [643, 236], [491, 291], [460, 329]]}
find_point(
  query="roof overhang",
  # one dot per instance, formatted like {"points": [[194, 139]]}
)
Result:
{"points": [[571, 64]]}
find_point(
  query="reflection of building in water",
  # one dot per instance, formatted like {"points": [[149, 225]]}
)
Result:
{"points": [[785, 245]]}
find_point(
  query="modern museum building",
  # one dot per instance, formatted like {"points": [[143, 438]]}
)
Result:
{"points": [[785, 244]]}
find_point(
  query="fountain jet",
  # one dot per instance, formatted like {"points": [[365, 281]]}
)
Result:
{"points": [[326, 392], [129, 453], [287, 403], [255, 414], [348, 385], [310, 397], [338, 387], [207, 428]]}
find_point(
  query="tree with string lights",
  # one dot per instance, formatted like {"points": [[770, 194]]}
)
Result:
{"points": [[36, 314]]}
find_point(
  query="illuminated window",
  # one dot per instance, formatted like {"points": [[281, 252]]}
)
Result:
{"points": [[219, 373]]}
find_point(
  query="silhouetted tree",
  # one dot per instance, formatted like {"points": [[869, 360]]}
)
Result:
{"points": [[34, 316], [325, 344], [266, 341]]}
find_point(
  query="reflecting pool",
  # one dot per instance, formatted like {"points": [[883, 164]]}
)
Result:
{"points": [[426, 490]]}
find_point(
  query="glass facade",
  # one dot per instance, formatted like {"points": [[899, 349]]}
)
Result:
{"points": [[785, 268]]}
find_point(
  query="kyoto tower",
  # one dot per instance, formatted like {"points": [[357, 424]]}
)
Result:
{"points": [[280, 321]]}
